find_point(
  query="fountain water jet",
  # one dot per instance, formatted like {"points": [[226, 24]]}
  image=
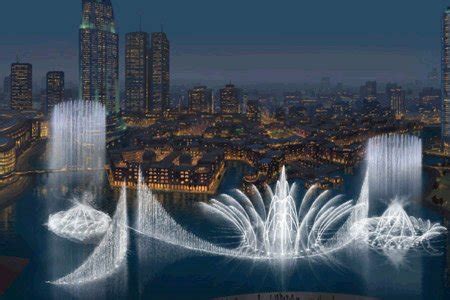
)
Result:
{"points": [[109, 255], [279, 231], [394, 164], [81, 223], [77, 143]]}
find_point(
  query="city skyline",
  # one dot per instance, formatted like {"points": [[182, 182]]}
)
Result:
{"points": [[254, 52]]}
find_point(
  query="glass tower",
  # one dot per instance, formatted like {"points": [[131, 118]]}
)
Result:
{"points": [[136, 83], [160, 76], [21, 86], [99, 54], [54, 89]]}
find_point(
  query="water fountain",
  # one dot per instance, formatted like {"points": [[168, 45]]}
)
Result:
{"points": [[81, 223], [394, 172], [109, 256], [277, 227], [395, 229], [394, 164], [78, 135], [77, 145]]}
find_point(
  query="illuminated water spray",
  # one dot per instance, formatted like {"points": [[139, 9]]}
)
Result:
{"points": [[394, 164], [280, 226]]}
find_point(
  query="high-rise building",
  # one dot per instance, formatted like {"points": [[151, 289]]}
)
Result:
{"points": [[54, 89], [136, 82], [21, 86], [397, 98], [6, 90], [229, 99], [99, 54], [160, 73], [200, 100], [369, 90], [445, 80]]}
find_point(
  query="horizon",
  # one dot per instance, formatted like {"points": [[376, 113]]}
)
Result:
{"points": [[277, 45]]}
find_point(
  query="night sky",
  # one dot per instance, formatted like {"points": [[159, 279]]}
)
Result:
{"points": [[244, 41]]}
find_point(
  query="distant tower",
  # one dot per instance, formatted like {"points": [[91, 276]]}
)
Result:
{"points": [[200, 100], [160, 73], [21, 86], [445, 80], [99, 54], [136, 82], [229, 99], [369, 91], [397, 98], [54, 89]]}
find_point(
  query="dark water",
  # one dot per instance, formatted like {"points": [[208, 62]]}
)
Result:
{"points": [[157, 271]]}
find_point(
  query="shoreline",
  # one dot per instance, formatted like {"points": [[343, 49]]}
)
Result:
{"points": [[10, 192]]}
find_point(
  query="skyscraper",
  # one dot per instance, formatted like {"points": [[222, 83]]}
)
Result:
{"points": [[99, 54], [136, 83], [200, 100], [160, 73], [229, 99], [398, 102], [369, 91], [445, 80], [54, 89], [21, 86]]}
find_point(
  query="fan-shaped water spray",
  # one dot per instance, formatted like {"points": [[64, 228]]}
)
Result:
{"points": [[283, 229]]}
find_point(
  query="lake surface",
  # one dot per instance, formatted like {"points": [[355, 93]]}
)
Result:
{"points": [[158, 271]]}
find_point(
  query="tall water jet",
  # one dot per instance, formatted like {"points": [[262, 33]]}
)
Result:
{"points": [[154, 221], [78, 142], [394, 164]]}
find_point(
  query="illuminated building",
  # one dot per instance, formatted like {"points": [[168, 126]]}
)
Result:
{"points": [[200, 100], [136, 83], [398, 103], [160, 73], [7, 159], [99, 54], [175, 172], [21, 86], [229, 99], [369, 91], [55, 89], [445, 81], [253, 111], [18, 132]]}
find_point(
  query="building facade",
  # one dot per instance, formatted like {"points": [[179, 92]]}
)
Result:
{"points": [[54, 89], [136, 72], [99, 54], [160, 73], [445, 80], [229, 100], [397, 98], [21, 86], [200, 100]]}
